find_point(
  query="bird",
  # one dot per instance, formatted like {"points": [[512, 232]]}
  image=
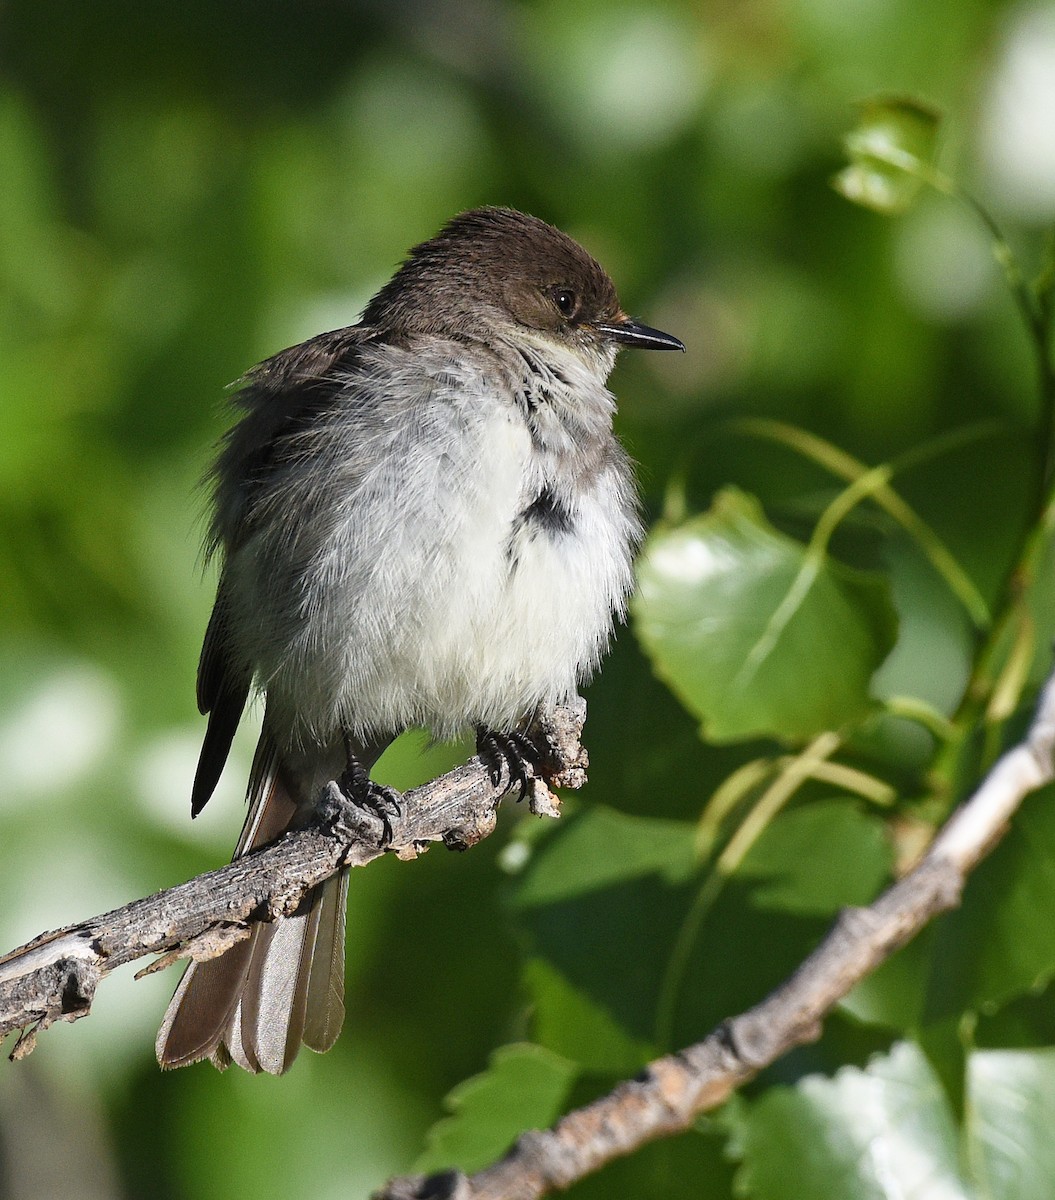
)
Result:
{"points": [[424, 519]]}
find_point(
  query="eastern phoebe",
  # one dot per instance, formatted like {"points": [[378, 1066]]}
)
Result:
{"points": [[424, 520]]}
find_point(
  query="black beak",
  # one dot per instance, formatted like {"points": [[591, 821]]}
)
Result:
{"points": [[632, 333]]}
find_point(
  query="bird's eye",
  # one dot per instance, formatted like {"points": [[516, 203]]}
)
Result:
{"points": [[567, 301]]}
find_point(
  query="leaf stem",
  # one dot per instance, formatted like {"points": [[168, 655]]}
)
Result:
{"points": [[794, 773], [1034, 304], [851, 469], [911, 708]]}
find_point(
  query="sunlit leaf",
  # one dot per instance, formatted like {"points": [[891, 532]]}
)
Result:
{"points": [[890, 149], [754, 634], [889, 1130], [524, 1087], [862, 1135], [1011, 1109]]}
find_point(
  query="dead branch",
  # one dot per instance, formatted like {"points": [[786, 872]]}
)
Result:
{"points": [[672, 1091], [54, 976]]}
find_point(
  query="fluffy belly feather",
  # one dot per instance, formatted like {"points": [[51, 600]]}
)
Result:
{"points": [[521, 628], [469, 614]]}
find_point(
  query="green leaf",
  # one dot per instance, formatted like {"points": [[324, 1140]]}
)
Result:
{"points": [[598, 847], [817, 859], [756, 635], [599, 903], [994, 946], [524, 1087], [605, 915], [1025, 1021], [889, 1130], [808, 864], [893, 995], [583, 1022], [693, 1166], [891, 151], [1011, 1112], [1040, 601], [862, 1135]]}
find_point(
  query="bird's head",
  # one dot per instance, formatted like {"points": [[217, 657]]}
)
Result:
{"points": [[494, 273]]}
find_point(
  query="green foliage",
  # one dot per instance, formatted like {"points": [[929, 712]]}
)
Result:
{"points": [[890, 151], [846, 595], [756, 633], [889, 1130], [863, 1134], [993, 949], [524, 1087]]}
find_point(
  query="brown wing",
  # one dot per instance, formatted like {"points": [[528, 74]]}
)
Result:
{"points": [[277, 397]]}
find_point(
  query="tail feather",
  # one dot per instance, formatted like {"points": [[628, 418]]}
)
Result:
{"points": [[325, 987], [202, 1008], [275, 997], [284, 984], [251, 1005]]}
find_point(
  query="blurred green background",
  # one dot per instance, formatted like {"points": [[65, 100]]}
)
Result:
{"points": [[186, 189]]}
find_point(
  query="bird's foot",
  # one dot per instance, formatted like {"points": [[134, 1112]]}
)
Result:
{"points": [[374, 798], [514, 751]]}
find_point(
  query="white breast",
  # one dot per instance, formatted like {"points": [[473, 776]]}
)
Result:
{"points": [[429, 603], [496, 623]]}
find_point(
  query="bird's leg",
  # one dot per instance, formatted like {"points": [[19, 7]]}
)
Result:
{"points": [[515, 751], [357, 786]]}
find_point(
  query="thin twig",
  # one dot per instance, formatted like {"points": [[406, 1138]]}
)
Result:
{"points": [[669, 1095]]}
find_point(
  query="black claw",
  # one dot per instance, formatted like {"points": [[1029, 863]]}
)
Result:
{"points": [[515, 751], [386, 800], [377, 799]]}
